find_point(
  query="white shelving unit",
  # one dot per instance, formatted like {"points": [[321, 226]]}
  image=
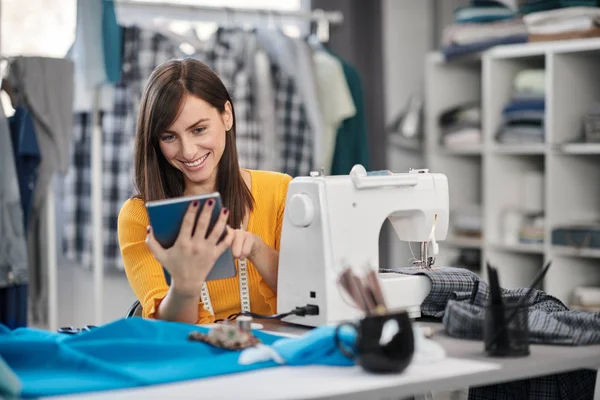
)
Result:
{"points": [[490, 175]]}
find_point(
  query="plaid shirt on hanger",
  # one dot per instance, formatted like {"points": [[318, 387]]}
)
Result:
{"points": [[226, 54], [142, 52]]}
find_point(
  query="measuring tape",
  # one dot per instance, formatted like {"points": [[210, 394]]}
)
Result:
{"points": [[244, 291]]}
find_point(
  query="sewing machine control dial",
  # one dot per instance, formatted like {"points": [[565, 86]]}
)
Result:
{"points": [[301, 210]]}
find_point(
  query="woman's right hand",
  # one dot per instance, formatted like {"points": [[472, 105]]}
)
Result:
{"points": [[194, 254]]}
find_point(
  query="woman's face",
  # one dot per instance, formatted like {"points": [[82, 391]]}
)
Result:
{"points": [[195, 142]]}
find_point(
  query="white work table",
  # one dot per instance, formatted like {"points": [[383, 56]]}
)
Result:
{"points": [[465, 366]]}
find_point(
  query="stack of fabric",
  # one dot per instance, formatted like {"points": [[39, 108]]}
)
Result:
{"points": [[572, 20], [481, 25], [461, 125], [523, 116]]}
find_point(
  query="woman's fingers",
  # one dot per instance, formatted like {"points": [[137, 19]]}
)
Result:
{"points": [[155, 248], [187, 226], [237, 243], [226, 242], [204, 219], [247, 246], [219, 228]]}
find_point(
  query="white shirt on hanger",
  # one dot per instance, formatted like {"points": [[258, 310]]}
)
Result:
{"points": [[335, 99]]}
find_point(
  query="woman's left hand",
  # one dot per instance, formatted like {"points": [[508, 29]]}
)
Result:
{"points": [[244, 245]]}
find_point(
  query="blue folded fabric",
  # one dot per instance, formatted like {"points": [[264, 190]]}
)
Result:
{"points": [[522, 104], [139, 352]]}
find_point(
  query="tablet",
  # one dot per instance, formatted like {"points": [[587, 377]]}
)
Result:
{"points": [[166, 217]]}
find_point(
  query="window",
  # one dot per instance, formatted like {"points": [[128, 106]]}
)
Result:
{"points": [[37, 27], [205, 28], [47, 27]]}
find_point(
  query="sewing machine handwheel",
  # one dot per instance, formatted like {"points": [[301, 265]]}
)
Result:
{"points": [[300, 210], [340, 345]]}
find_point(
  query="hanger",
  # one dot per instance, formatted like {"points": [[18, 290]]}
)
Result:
{"points": [[319, 30]]}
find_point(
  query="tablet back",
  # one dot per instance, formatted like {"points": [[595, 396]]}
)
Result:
{"points": [[166, 217]]}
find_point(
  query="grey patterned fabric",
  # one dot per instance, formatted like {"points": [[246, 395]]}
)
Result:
{"points": [[458, 296]]}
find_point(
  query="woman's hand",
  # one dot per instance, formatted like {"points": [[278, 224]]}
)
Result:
{"points": [[251, 246], [244, 245], [194, 254]]}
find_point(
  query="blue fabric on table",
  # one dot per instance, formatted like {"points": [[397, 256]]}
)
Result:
{"points": [[137, 352], [317, 347]]}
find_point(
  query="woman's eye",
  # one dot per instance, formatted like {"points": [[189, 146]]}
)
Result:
{"points": [[199, 130], [167, 138]]}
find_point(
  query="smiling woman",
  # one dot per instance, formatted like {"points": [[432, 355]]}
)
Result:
{"points": [[185, 145]]}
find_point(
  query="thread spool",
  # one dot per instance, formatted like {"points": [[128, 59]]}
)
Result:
{"points": [[244, 323]]}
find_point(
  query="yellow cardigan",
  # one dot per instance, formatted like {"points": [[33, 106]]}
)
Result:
{"points": [[146, 275]]}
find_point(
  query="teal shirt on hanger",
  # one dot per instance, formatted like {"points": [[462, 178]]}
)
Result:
{"points": [[352, 145]]}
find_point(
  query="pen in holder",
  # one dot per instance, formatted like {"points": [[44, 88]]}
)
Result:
{"points": [[505, 328], [503, 336]]}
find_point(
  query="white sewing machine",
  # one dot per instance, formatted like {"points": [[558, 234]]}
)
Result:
{"points": [[335, 221]]}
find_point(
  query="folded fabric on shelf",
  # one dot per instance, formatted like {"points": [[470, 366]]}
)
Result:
{"points": [[472, 33], [453, 51], [481, 25], [530, 83], [571, 21], [527, 7], [490, 13], [463, 136], [523, 116], [461, 125], [588, 33]]}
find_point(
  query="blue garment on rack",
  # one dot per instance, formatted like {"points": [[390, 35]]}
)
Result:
{"points": [[112, 42], [27, 157], [137, 352]]}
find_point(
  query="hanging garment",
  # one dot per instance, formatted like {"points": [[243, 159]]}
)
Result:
{"points": [[335, 99], [352, 143], [87, 53], [294, 135], [265, 110], [295, 58], [227, 53], [143, 51], [112, 41], [13, 250], [13, 247], [306, 78], [45, 87], [27, 157]]}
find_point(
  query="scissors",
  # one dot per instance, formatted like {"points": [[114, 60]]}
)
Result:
{"points": [[70, 330]]}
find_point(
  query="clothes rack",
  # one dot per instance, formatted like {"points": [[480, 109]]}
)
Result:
{"points": [[130, 12]]}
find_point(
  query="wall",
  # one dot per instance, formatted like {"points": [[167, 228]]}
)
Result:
{"points": [[410, 30]]}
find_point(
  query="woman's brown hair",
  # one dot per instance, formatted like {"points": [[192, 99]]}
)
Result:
{"points": [[155, 178]]}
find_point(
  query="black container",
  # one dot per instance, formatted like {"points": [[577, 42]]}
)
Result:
{"points": [[513, 340], [384, 343]]}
